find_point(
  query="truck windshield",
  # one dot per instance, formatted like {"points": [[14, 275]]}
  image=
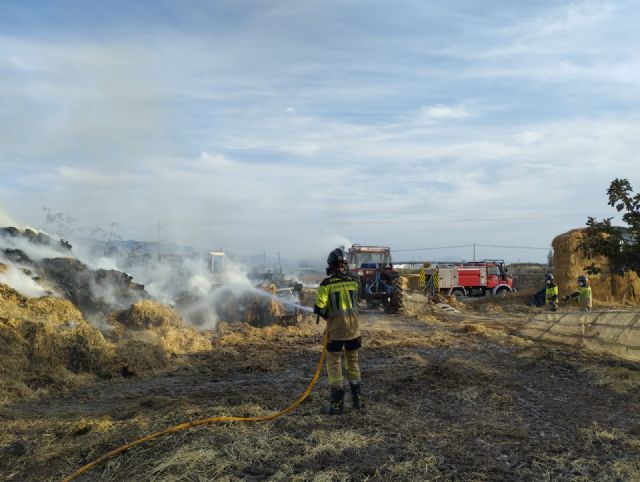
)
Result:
{"points": [[364, 260]]}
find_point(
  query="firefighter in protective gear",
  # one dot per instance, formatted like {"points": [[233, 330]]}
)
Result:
{"points": [[337, 303], [551, 292], [422, 275], [583, 295]]}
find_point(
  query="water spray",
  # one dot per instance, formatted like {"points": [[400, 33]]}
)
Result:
{"points": [[265, 294]]}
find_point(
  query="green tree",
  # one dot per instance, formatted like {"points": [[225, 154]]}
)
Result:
{"points": [[619, 246]]}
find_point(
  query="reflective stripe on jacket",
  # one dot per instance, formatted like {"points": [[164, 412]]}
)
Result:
{"points": [[338, 297]]}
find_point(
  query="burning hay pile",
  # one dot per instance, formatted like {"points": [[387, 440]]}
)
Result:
{"points": [[255, 308], [152, 322], [44, 342], [63, 323], [569, 263]]}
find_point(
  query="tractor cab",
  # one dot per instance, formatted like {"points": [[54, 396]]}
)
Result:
{"points": [[378, 280], [369, 257]]}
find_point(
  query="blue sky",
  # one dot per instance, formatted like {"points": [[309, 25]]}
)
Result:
{"points": [[289, 126]]}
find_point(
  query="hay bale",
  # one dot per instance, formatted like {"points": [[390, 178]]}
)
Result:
{"points": [[147, 314], [569, 263], [76, 346], [45, 343], [153, 323], [249, 307], [135, 357], [185, 340]]}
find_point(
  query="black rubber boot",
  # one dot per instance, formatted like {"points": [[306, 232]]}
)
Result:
{"points": [[356, 397], [336, 404]]}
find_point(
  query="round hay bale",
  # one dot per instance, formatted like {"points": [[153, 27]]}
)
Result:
{"points": [[569, 263], [147, 314]]}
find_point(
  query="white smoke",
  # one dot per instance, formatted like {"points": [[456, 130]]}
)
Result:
{"points": [[181, 278], [5, 219], [36, 252], [20, 281], [325, 244]]}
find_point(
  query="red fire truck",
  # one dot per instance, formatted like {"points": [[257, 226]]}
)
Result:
{"points": [[471, 278]]}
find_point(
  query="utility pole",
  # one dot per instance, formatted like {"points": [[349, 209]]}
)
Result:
{"points": [[280, 264], [474, 252]]}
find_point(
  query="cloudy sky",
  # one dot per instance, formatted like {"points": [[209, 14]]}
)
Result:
{"points": [[287, 125]]}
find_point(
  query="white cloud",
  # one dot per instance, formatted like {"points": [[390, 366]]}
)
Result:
{"points": [[440, 112], [528, 137], [16, 62], [90, 176], [525, 108]]}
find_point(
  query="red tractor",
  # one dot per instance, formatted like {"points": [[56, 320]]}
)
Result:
{"points": [[380, 284]]}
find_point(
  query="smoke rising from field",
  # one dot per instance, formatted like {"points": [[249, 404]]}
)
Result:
{"points": [[17, 279], [177, 276], [36, 252], [5, 219]]}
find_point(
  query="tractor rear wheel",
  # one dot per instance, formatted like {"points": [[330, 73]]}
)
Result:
{"points": [[396, 305]]}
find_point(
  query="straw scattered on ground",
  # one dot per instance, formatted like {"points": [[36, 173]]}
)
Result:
{"points": [[446, 402]]}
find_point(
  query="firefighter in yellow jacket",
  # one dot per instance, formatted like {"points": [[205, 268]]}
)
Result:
{"points": [[337, 303], [584, 296], [551, 292]]}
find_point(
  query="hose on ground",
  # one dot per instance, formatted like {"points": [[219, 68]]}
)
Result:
{"points": [[206, 421]]}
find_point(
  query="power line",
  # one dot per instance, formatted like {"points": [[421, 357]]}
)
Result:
{"points": [[470, 246], [438, 247], [509, 247]]}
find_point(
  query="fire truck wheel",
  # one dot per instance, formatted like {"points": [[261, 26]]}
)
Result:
{"points": [[502, 292], [457, 293]]}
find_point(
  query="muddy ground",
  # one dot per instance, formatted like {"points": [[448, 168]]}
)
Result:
{"points": [[450, 397]]}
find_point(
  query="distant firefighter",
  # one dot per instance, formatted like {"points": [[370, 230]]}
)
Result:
{"points": [[551, 292], [583, 295]]}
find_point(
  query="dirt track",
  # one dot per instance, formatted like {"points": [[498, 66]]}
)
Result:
{"points": [[446, 401]]}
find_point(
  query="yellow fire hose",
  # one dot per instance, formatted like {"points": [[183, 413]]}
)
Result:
{"points": [[207, 421]]}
